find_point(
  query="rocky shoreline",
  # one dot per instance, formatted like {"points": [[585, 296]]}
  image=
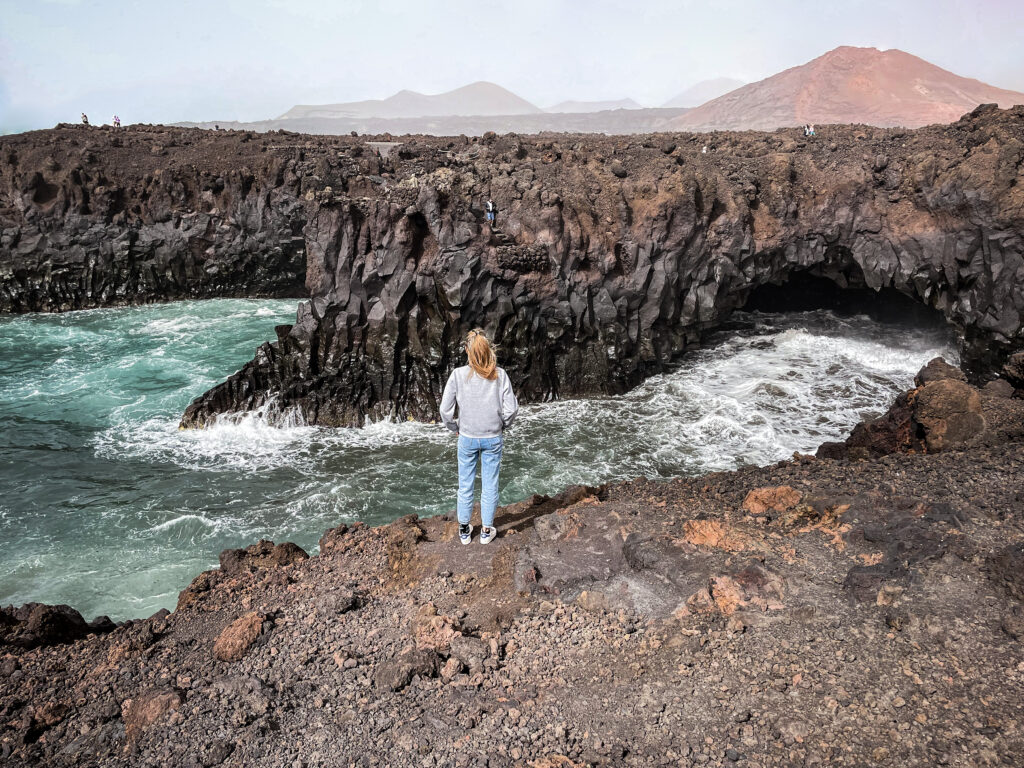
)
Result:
{"points": [[611, 257], [864, 609]]}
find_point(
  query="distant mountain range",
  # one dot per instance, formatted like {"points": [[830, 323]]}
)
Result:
{"points": [[478, 99], [576, 107], [848, 85], [706, 90], [845, 85]]}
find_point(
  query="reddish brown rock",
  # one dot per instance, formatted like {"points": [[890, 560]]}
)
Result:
{"points": [[938, 369], [334, 540], [401, 549], [263, 554], [195, 591], [434, 631], [943, 412], [949, 413], [238, 637], [762, 500], [752, 586], [715, 534], [142, 711]]}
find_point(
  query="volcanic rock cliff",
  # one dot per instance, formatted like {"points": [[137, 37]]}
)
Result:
{"points": [[611, 255]]}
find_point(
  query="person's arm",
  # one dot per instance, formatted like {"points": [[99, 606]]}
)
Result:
{"points": [[509, 404], [448, 403]]}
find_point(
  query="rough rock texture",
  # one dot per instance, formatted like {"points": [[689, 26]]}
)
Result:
{"points": [[762, 500], [147, 708], [863, 613], [262, 554], [943, 412], [610, 256], [238, 637], [35, 624], [94, 217], [1014, 369], [948, 413]]}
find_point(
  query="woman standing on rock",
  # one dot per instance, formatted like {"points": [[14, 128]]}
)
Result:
{"points": [[487, 405]]}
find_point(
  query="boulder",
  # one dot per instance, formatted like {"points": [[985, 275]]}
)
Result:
{"points": [[949, 413], [892, 432], [471, 651], [999, 388], [37, 624], [397, 673], [263, 554], [943, 412], [938, 369], [1013, 370], [238, 637], [142, 711], [56, 624]]}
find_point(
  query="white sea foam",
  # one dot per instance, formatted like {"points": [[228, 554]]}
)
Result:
{"points": [[181, 519]]}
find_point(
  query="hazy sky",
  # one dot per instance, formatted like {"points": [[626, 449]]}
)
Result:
{"points": [[250, 59]]}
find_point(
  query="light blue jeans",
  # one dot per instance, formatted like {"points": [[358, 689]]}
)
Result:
{"points": [[488, 451]]}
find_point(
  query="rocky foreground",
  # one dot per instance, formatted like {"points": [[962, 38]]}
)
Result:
{"points": [[864, 609]]}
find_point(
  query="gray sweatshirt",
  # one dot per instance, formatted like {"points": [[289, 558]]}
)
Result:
{"points": [[486, 406]]}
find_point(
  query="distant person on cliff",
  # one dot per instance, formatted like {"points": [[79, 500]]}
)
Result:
{"points": [[487, 406], [117, 121], [492, 212], [85, 119]]}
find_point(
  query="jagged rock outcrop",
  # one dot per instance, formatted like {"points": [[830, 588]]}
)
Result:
{"points": [[34, 624], [92, 217], [943, 412], [637, 267], [610, 257]]}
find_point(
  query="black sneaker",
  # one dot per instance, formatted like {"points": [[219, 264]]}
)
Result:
{"points": [[465, 533]]}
